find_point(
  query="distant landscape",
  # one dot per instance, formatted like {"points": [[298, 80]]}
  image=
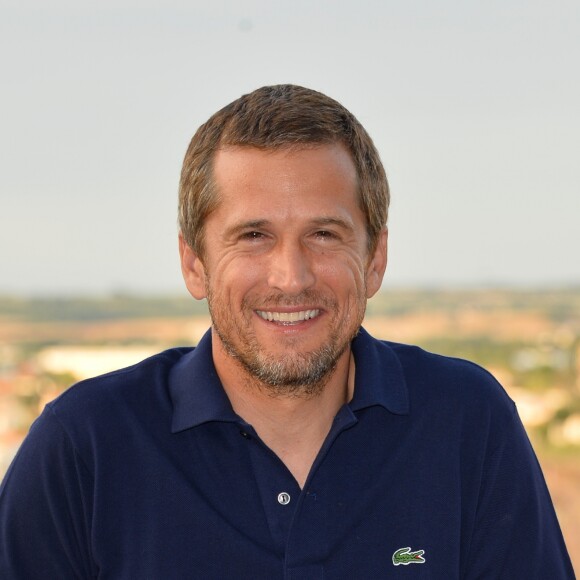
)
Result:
{"points": [[530, 340]]}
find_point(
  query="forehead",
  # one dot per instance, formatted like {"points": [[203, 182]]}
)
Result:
{"points": [[312, 170]]}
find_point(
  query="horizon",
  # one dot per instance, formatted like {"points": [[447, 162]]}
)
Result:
{"points": [[548, 287]]}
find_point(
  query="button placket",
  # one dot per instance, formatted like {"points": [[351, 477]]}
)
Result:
{"points": [[277, 488]]}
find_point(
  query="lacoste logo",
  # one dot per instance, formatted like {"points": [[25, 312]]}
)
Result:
{"points": [[404, 556]]}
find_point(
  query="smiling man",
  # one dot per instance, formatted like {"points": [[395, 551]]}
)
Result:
{"points": [[286, 266], [289, 443]]}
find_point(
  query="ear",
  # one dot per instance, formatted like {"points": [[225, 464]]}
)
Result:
{"points": [[377, 264], [192, 269]]}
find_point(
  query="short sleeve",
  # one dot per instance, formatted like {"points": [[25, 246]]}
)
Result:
{"points": [[45, 508], [516, 533]]}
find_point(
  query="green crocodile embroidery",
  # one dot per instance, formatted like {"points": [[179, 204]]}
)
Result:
{"points": [[404, 556]]}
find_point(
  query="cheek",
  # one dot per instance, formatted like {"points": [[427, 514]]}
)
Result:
{"points": [[237, 277], [342, 268], [345, 274]]}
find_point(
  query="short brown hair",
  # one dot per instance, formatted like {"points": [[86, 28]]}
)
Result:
{"points": [[276, 117]]}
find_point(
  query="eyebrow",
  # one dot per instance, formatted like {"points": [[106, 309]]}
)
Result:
{"points": [[333, 221]]}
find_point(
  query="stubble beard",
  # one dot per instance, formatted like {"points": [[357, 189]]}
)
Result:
{"points": [[297, 374]]}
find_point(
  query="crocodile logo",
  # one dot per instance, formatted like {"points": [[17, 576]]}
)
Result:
{"points": [[404, 557]]}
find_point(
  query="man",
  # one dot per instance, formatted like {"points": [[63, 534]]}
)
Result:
{"points": [[289, 444]]}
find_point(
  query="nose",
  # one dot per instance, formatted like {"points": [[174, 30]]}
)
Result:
{"points": [[291, 269]]}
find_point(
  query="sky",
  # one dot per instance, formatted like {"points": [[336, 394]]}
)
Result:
{"points": [[474, 107]]}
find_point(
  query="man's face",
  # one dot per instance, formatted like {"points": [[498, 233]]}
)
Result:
{"points": [[286, 269]]}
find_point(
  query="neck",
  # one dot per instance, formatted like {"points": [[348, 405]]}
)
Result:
{"points": [[293, 425]]}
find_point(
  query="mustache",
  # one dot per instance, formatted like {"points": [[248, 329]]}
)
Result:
{"points": [[305, 298]]}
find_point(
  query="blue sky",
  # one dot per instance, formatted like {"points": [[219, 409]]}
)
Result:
{"points": [[474, 107]]}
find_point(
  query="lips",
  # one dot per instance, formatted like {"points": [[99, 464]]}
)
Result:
{"points": [[273, 316]]}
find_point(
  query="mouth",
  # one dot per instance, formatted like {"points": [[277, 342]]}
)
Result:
{"points": [[288, 317]]}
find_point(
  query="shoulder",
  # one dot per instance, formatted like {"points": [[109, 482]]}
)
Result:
{"points": [[436, 381], [146, 375], [111, 402]]}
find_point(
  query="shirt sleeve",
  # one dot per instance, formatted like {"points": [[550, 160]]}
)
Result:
{"points": [[516, 533], [45, 508]]}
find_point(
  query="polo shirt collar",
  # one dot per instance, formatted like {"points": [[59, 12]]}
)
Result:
{"points": [[198, 396], [196, 390], [379, 377]]}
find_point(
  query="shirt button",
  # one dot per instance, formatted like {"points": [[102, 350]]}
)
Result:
{"points": [[283, 498], [245, 434]]}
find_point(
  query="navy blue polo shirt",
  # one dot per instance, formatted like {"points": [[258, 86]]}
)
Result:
{"points": [[147, 473]]}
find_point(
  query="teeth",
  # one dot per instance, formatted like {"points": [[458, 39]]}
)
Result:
{"points": [[288, 316]]}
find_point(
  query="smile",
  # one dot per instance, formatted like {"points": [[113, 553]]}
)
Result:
{"points": [[288, 316]]}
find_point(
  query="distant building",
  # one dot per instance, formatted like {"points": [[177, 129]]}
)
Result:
{"points": [[90, 361]]}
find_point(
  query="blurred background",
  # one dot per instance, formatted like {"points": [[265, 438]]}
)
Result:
{"points": [[474, 108]]}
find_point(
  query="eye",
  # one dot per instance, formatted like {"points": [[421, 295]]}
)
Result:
{"points": [[251, 236], [325, 235]]}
